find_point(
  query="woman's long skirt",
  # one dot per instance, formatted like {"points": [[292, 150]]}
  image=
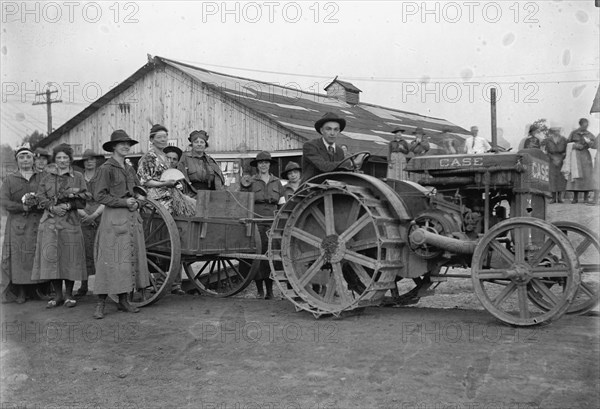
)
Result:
{"points": [[120, 253]]}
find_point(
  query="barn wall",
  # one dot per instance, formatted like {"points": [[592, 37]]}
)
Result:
{"points": [[181, 103]]}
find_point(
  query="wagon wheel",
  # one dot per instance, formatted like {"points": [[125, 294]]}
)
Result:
{"points": [[518, 257], [220, 275], [586, 245], [163, 253], [339, 248]]}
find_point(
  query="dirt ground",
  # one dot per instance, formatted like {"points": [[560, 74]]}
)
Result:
{"points": [[198, 352]]}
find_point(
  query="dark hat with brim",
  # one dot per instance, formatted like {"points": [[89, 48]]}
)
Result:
{"points": [[419, 131], [116, 137], [398, 129], [199, 135], [289, 167], [42, 152], [156, 129], [89, 153], [330, 117], [175, 149], [263, 156], [533, 129]]}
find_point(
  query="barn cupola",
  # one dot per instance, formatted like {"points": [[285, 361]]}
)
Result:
{"points": [[343, 90]]}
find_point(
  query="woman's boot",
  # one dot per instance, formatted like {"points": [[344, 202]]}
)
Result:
{"points": [[124, 304], [99, 312], [575, 197], [554, 200], [558, 197], [82, 290], [269, 285]]}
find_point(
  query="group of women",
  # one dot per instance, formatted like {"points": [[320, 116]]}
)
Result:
{"points": [[66, 224]]}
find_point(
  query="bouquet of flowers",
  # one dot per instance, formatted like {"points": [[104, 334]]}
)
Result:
{"points": [[30, 199]]}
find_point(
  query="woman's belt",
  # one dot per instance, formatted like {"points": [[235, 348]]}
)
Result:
{"points": [[201, 185]]}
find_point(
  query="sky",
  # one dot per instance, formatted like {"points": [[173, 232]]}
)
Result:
{"points": [[435, 58]]}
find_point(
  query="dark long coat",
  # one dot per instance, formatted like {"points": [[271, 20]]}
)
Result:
{"points": [[556, 154], [18, 249]]}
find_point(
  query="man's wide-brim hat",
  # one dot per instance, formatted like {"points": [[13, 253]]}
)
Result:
{"points": [[419, 131], [289, 167], [116, 137], [330, 117], [263, 156], [175, 149], [398, 129], [89, 153]]}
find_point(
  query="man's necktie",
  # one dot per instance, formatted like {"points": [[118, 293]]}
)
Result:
{"points": [[331, 151], [473, 145]]}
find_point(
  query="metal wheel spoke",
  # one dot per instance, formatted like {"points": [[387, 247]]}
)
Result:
{"points": [[354, 210], [159, 255], [361, 273], [236, 270], [329, 215], [587, 290], [360, 245], [356, 227], [583, 246], [306, 237], [503, 251], [543, 251], [523, 307], [490, 274], [318, 215], [339, 282], [541, 272], [311, 271], [309, 256], [545, 291], [590, 268], [504, 294], [520, 242], [361, 259]]}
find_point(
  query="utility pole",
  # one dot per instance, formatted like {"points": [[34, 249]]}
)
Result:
{"points": [[48, 103]]}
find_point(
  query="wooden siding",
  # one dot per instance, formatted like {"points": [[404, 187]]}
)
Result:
{"points": [[181, 103]]}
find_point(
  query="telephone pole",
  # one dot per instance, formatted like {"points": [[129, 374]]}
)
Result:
{"points": [[48, 103]]}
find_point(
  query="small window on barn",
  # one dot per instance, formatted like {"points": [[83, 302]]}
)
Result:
{"points": [[124, 108], [172, 142]]}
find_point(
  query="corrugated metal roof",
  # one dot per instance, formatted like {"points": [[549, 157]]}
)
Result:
{"points": [[368, 125]]}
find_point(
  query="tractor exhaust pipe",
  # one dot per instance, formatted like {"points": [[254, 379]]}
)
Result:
{"points": [[422, 236]]}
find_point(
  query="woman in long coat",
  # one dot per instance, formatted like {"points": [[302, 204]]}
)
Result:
{"points": [[268, 194], [120, 252], [582, 140], [201, 170], [18, 249], [555, 146], [90, 216], [60, 253]]}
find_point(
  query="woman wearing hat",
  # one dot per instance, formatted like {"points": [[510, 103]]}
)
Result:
{"points": [[268, 194], [150, 169], [420, 146], [21, 225], [293, 173], [556, 148], [203, 172], [60, 253], [533, 139], [118, 271], [90, 216], [41, 159]]}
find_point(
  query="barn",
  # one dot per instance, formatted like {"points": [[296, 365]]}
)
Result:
{"points": [[242, 116]]}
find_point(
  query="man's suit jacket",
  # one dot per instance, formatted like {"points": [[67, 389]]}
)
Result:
{"points": [[316, 159]]}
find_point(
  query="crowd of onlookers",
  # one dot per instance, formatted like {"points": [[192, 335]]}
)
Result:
{"points": [[571, 168]]}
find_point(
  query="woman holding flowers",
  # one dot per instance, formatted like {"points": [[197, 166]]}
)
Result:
{"points": [[17, 197], [60, 253]]}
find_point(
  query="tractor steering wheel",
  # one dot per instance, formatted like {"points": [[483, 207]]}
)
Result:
{"points": [[356, 159]]}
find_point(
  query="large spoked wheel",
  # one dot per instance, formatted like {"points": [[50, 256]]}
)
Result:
{"points": [[518, 258], [163, 252], [586, 245], [340, 249], [220, 275]]}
